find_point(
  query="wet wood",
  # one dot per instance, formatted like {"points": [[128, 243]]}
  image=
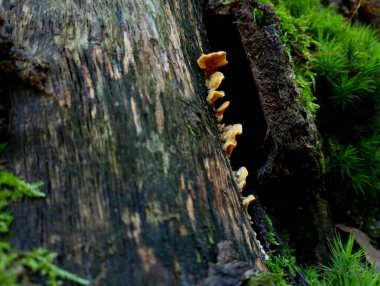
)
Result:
{"points": [[291, 178], [138, 187]]}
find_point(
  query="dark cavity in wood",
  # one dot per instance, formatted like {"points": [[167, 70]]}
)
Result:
{"points": [[291, 175], [14, 60]]}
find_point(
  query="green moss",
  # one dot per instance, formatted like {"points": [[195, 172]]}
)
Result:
{"points": [[270, 233], [259, 17], [262, 279], [210, 239], [347, 268], [198, 256], [191, 130], [347, 67], [337, 67], [298, 42], [281, 262]]}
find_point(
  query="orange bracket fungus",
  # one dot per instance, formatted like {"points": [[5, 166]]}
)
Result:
{"points": [[214, 81], [247, 201], [213, 96], [211, 62], [229, 137], [241, 175], [220, 111]]}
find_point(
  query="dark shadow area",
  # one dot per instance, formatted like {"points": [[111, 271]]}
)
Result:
{"points": [[5, 102], [286, 207], [240, 90], [245, 108]]}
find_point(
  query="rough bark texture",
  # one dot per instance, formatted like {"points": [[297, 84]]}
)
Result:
{"points": [[15, 61], [292, 174], [138, 187]]}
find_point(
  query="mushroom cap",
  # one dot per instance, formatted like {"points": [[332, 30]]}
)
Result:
{"points": [[229, 146], [214, 81], [242, 184], [213, 96], [220, 111], [229, 135], [242, 173], [212, 61], [230, 131], [247, 201]]}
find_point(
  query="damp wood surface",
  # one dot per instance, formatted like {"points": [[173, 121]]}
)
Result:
{"points": [[291, 176], [137, 185]]}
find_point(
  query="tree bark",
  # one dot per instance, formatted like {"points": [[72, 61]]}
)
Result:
{"points": [[291, 177], [138, 187]]}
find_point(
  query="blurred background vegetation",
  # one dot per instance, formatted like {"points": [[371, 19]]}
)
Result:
{"points": [[336, 59]]}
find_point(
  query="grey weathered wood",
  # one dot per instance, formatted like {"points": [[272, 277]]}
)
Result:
{"points": [[133, 197]]}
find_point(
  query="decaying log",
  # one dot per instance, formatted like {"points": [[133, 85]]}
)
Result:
{"points": [[137, 185], [291, 177]]}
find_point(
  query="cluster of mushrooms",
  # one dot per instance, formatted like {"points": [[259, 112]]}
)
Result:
{"points": [[210, 64]]}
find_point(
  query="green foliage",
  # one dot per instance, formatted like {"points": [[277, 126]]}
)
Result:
{"points": [[13, 189], [275, 265], [279, 263], [347, 268], [270, 233], [263, 279], [300, 8], [338, 63], [41, 261], [349, 65], [14, 264], [340, 66], [359, 166], [283, 263], [259, 17], [298, 42], [191, 130]]}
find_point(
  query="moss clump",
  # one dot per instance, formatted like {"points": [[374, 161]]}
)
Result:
{"points": [[270, 233], [299, 43], [347, 268], [281, 259], [337, 65], [348, 85], [263, 279]]}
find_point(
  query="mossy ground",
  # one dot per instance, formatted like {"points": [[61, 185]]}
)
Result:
{"points": [[337, 66]]}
